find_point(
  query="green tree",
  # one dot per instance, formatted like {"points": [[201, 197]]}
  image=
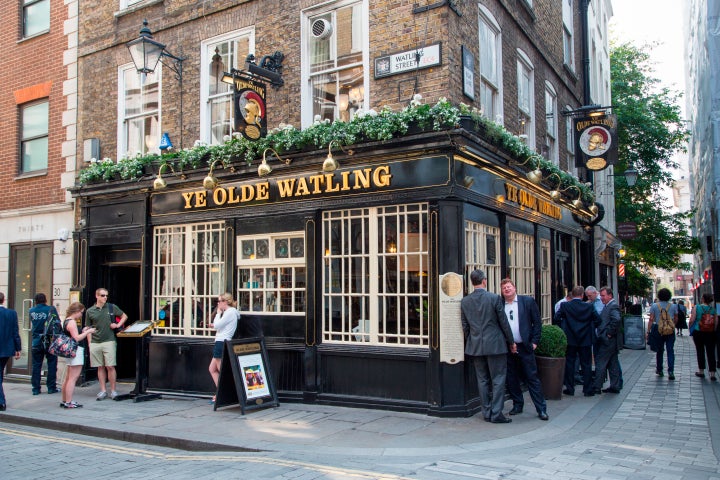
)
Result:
{"points": [[650, 131]]}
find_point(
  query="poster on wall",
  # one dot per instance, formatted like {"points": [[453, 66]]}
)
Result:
{"points": [[452, 341]]}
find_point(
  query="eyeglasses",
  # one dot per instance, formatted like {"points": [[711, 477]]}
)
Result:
{"points": [[103, 295]]}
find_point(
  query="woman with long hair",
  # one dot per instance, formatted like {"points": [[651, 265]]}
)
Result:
{"points": [[704, 340], [74, 365], [225, 323]]}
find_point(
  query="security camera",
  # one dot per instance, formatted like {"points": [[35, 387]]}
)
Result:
{"points": [[63, 234]]}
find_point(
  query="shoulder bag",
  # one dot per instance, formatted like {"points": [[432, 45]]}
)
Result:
{"points": [[63, 345]]}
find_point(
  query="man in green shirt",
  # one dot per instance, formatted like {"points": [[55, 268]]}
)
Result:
{"points": [[103, 345]]}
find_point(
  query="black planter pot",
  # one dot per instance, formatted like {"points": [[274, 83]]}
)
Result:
{"points": [[551, 372]]}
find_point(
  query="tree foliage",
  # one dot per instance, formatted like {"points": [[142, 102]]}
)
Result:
{"points": [[650, 131]]}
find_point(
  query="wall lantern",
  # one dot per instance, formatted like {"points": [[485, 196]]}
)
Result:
{"points": [[160, 182], [264, 169], [146, 53], [330, 164]]}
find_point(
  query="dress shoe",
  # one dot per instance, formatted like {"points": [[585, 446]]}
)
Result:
{"points": [[2, 407], [487, 419], [568, 392], [516, 410], [610, 390], [543, 415], [589, 394], [501, 419]]}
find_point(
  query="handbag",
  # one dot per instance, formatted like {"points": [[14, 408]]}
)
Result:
{"points": [[654, 338], [63, 346]]}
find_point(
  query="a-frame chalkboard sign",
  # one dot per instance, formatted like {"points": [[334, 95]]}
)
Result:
{"points": [[245, 376]]}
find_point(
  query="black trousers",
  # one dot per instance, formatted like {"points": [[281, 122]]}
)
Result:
{"points": [[585, 354], [522, 365]]}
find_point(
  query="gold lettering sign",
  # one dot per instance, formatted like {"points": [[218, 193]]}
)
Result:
{"points": [[290, 188], [532, 202]]}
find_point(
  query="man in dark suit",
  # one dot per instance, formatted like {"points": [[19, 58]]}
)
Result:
{"points": [[606, 347], [487, 340], [10, 345], [578, 320], [524, 318]]}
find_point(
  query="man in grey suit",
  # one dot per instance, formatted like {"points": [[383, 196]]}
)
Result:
{"points": [[488, 338], [9, 342], [606, 352]]}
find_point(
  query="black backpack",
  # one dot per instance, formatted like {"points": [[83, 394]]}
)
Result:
{"points": [[51, 329]]}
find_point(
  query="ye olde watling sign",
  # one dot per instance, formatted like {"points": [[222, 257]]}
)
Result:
{"points": [[596, 141], [249, 108]]}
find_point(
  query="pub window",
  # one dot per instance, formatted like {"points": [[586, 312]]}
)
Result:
{"points": [[220, 55], [271, 274], [188, 277], [526, 98], [482, 251], [34, 143], [335, 61], [36, 17], [521, 262], [490, 65], [546, 307], [139, 112], [375, 275]]}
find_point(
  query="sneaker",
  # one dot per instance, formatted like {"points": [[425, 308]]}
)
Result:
{"points": [[113, 394], [54, 390], [72, 404], [101, 396], [62, 404], [36, 392], [659, 373], [671, 376]]}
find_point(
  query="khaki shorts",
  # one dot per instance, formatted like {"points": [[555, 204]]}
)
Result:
{"points": [[103, 354]]}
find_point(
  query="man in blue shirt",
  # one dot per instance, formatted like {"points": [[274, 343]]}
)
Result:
{"points": [[38, 316]]}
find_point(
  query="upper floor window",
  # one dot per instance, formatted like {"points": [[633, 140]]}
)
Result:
{"points": [[128, 3], [34, 143], [551, 124], [139, 112], [526, 98], [570, 143], [568, 47], [490, 65], [36, 17], [335, 61], [220, 55]]}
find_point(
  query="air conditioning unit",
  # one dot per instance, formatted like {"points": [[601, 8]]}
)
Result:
{"points": [[321, 29]]}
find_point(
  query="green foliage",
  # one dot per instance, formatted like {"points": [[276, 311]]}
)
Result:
{"points": [[650, 131], [365, 126], [639, 283], [553, 342]]}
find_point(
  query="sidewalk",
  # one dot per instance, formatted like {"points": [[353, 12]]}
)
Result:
{"points": [[191, 424]]}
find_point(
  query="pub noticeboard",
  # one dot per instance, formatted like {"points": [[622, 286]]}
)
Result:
{"points": [[245, 376], [634, 332]]}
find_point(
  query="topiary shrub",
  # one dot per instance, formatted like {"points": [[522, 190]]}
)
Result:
{"points": [[553, 342]]}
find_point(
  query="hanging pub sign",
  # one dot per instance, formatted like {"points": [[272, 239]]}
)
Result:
{"points": [[249, 107], [596, 141]]}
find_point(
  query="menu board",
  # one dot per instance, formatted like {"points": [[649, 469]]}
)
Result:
{"points": [[452, 342], [634, 332]]}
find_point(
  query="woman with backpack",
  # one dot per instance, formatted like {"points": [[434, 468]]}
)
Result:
{"points": [[703, 323], [663, 318]]}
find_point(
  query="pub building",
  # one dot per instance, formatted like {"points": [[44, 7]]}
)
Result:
{"points": [[342, 269]]}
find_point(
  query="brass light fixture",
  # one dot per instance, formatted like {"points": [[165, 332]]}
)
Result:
{"points": [[160, 182], [593, 209], [330, 164], [535, 176], [264, 168], [210, 182]]}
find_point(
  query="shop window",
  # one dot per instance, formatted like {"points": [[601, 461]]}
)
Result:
{"points": [[482, 251], [336, 56], [36, 17], [271, 273], [34, 143], [546, 306], [490, 65], [521, 262], [139, 112], [220, 55], [375, 275], [188, 277], [526, 99]]}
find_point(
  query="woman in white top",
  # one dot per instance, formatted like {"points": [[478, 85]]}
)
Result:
{"points": [[225, 322]]}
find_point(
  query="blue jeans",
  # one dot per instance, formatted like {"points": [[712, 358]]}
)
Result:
{"points": [[38, 353], [668, 342]]}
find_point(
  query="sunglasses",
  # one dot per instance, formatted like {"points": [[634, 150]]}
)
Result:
{"points": [[103, 295]]}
